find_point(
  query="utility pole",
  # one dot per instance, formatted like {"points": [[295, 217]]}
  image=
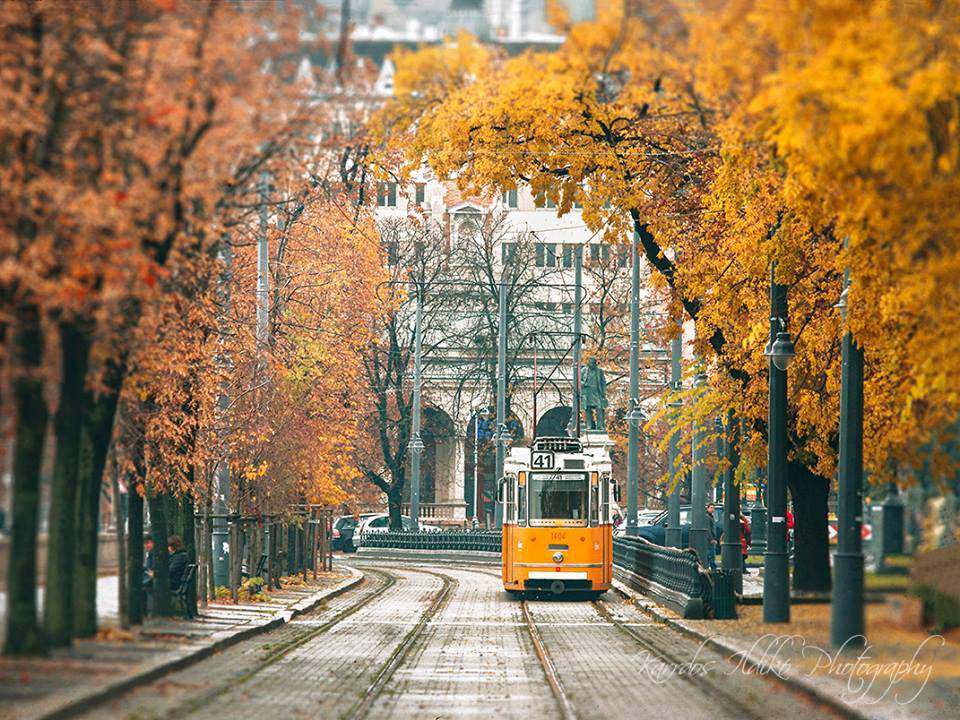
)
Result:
{"points": [[633, 414], [482, 413], [502, 434], [221, 494], [731, 549], [416, 443], [847, 627], [699, 538], [674, 536], [263, 276], [776, 572], [574, 428]]}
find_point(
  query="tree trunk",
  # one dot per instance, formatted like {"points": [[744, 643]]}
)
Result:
{"points": [[135, 594], [95, 435], [394, 506], [24, 636], [811, 559], [159, 535], [121, 545], [58, 607], [188, 533]]}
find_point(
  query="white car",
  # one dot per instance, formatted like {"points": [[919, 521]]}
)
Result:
{"points": [[380, 523]]}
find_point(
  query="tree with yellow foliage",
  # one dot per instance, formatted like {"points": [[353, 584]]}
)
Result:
{"points": [[728, 136]]}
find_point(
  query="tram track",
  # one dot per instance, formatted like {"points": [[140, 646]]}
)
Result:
{"points": [[274, 655], [362, 707], [714, 689], [546, 662]]}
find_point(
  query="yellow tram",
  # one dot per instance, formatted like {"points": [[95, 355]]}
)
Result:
{"points": [[557, 531]]}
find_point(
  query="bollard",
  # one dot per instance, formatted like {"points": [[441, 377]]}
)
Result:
{"points": [[723, 600]]}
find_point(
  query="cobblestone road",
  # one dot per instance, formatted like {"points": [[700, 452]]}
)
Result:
{"points": [[445, 641]]}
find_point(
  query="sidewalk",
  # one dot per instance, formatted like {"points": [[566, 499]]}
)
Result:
{"points": [[901, 674], [94, 670]]}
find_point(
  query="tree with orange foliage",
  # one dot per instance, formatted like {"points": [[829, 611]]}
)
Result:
{"points": [[131, 136]]}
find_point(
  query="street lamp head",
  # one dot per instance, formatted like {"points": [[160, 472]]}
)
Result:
{"points": [[782, 352], [635, 414]]}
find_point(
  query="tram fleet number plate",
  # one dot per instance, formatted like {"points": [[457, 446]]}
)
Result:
{"points": [[542, 460]]}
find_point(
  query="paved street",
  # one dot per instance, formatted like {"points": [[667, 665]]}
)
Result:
{"points": [[444, 641]]}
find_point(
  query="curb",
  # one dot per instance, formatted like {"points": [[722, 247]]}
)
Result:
{"points": [[815, 693], [74, 707]]}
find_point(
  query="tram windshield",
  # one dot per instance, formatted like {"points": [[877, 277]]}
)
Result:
{"points": [[558, 496]]}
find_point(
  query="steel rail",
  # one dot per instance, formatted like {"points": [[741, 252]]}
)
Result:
{"points": [[549, 669], [362, 707], [742, 709], [275, 655]]}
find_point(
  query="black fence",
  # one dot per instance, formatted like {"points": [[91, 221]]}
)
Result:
{"points": [[673, 576], [451, 540]]}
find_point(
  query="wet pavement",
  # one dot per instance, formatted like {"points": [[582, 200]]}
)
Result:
{"points": [[444, 641]]}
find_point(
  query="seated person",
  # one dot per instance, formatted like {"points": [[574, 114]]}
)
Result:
{"points": [[177, 562], [148, 563]]}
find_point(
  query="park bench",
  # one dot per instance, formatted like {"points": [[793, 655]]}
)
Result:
{"points": [[258, 573]]}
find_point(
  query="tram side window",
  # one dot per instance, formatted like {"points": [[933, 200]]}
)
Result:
{"points": [[594, 504], [557, 498], [511, 504], [604, 500], [521, 505]]}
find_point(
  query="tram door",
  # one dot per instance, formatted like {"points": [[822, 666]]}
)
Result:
{"points": [[508, 496]]}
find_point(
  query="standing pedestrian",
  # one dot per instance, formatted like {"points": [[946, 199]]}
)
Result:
{"points": [[745, 539]]}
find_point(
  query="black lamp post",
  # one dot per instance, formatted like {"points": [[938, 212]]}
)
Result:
{"points": [[780, 351], [699, 532], [730, 549], [846, 612]]}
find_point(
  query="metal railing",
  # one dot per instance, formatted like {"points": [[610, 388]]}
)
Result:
{"points": [[452, 540], [672, 575]]}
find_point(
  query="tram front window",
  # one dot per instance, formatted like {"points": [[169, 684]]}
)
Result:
{"points": [[558, 496]]}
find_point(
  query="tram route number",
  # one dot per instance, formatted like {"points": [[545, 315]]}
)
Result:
{"points": [[542, 460]]}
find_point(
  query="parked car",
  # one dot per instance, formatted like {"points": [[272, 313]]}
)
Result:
{"points": [[644, 517], [343, 530], [380, 523]]}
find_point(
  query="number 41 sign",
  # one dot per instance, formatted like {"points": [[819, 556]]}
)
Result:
{"points": [[541, 460]]}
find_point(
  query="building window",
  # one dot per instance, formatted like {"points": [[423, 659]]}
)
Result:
{"points": [[569, 255], [387, 194], [466, 232], [508, 251], [542, 201], [510, 198], [598, 251], [546, 255], [568, 308], [623, 257], [420, 191]]}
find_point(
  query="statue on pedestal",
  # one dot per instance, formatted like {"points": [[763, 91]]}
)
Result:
{"points": [[593, 396]]}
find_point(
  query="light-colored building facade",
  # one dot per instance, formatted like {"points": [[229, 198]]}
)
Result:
{"points": [[481, 238]]}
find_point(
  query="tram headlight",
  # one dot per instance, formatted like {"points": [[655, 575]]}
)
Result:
{"points": [[558, 557]]}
